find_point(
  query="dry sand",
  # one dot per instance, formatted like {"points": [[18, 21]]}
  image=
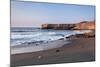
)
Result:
{"points": [[79, 50]]}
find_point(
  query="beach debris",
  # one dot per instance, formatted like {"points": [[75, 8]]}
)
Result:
{"points": [[57, 50], [39, 57]]}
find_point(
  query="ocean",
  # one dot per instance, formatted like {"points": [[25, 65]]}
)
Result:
{"points": [[31, 35]]}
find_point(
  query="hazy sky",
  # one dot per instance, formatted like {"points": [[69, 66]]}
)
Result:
{"points": [[31, 14]]}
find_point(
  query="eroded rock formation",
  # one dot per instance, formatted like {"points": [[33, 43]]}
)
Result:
{"points": [[81, 25]]}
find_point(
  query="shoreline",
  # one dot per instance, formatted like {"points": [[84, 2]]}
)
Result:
{"points": [[80, 50], [40, 47], [33, 47]]}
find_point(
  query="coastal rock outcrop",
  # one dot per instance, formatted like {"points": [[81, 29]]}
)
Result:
{"points": [[85, 25], [77, 26], [83, 35]]}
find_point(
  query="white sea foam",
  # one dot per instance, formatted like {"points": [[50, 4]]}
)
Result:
{"points": [[14, 36], [18, 38], [39, 47], [51, 33]]}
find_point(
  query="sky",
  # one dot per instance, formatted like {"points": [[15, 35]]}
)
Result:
{"points": [[33, 14]]}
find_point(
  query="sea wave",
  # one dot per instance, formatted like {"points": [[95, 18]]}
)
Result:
{"points": [[18, 38]]}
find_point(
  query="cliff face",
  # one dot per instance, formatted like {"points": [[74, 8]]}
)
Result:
{"points": [[81, 25], [57, 26], [85, 25]]}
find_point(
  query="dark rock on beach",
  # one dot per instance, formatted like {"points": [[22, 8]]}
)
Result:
{"points": [[83, 35]]}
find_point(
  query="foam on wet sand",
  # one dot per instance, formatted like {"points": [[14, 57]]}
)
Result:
{"points": [[38, 47]]}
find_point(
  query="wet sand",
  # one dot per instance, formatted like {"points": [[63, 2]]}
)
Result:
{"points": [[78, 50], [26, 48]]}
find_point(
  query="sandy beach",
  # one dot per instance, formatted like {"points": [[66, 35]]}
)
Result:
{"points": [[47, 33], [79, 50]]}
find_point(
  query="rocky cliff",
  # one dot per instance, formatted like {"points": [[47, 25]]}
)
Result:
{"points": [[80, 25], [85, 25]]}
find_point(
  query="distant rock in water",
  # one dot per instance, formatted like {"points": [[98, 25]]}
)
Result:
{"points": [[84, 25]]}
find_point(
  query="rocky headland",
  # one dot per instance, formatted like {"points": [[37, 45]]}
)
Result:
{"points": [[84, 25]]}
